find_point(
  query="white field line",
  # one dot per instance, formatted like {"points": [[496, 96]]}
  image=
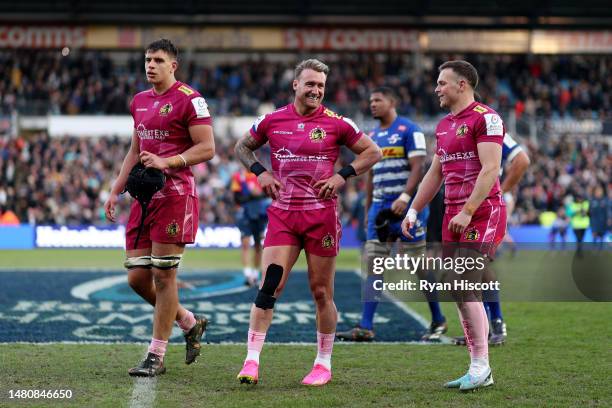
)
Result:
{"points": [[412, 313]]}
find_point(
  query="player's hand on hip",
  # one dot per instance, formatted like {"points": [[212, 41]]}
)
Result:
{"points": [[399, 206], [269, 185], [152, 160], [408, 222], [459, 222], [329, 187], [109, 207]]}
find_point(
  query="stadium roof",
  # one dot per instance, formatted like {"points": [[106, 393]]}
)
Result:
{"points": [[516, 13]]}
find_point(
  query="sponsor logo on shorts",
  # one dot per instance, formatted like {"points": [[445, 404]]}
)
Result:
{"points": [[462, 130], [328, 241], [472, 234], [317, 134], [172, 229], [165, 110]]}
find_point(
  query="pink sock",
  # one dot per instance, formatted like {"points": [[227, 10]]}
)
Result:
{"points": [[158, 347], [255, 343], [475, 327], [325, 345], [187, 322]]}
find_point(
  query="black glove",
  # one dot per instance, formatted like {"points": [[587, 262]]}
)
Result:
{"points": [[143, 182]]}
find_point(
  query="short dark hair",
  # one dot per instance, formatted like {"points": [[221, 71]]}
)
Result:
{"points": [[165, 45], [313, 64], [385, 90], [463, 69]]}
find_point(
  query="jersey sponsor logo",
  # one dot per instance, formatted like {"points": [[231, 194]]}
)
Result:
{"points": [[393, 152], [382, 133], [282, 132], [141, 109], [419, 140], [495, 126], [480, 109], [158, 134], [332, 114], [187, 91], [285, 155], [445, 157], [165, 110], [317, 135], [471, 234], [172, 229], [394, 138], [462, 130], [201, 107], [328, 241], [401, 128]]}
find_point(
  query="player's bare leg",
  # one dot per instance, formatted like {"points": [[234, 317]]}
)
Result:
{"points": [[141, 281], [321, 271], [276, 264]]}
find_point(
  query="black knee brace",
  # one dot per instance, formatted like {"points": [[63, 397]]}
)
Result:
{"points": [[265, 297]]}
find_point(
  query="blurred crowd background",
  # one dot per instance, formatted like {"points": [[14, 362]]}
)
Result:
{"points": [[65, 180]]}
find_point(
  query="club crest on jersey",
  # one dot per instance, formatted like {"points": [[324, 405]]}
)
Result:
{"points": [[472, 234], [165, 110], [172, 229], [317, 134], [462, 130], [328, 241]]}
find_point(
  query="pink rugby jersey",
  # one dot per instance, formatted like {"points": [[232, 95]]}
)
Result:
{"points": [[304, 150], [457, 139], [162, 123]]}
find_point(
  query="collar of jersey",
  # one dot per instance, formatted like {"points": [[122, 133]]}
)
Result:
{"points": [[174, 86], [316, 112], [470, 106]]}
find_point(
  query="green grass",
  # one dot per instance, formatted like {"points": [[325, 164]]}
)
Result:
{"points": [[558, 355], [113, 259]]}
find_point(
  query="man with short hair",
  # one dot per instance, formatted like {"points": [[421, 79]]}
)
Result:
{"points": [[392, 183], [305, 139], [172, 131], [467, 160]]}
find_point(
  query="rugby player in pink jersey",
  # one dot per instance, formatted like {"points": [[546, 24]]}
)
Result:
{"points": [[172, 131], [467, 160], [305, 139]]}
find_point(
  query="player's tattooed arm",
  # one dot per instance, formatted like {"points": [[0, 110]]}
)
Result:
{"points": [[245, 148]]}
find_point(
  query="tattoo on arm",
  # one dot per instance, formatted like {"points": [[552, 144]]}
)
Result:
{"points": [[245, 150]]}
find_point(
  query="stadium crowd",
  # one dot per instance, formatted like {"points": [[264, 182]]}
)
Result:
{"points": [[89, 82], [66, 180]]}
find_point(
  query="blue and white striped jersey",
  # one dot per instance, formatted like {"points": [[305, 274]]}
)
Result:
{"points": [[399, 142], [510, 148]]}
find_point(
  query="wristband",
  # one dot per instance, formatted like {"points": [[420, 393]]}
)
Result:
{"points": [[257, 168], [412, 215], [347, 171], [405, 197], [184, 161]]}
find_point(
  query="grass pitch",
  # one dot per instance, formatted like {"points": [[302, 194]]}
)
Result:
{"points": [[558, 354]]}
